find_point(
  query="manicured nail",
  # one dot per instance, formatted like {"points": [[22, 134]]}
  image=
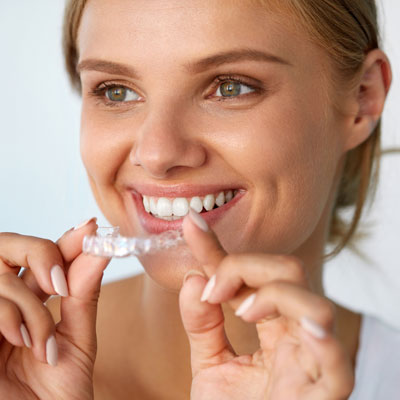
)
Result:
{"points": [[198, 220], [25, 335], [51, 351], [245, 305], [312, 328], [208, 289], [85, 223], [58, 280], [192, 272]]}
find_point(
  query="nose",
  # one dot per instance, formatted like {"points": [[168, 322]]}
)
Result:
{"points": [[162, 144]]}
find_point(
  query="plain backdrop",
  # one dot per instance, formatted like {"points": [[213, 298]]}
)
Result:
{"points": [[44, 190]]}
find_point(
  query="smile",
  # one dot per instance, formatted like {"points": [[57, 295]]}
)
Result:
{"points": [[172, 209]]}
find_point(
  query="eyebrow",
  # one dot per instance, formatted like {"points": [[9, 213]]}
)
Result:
{"points": [[196, 67]]}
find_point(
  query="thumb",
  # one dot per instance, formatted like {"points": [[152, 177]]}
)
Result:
{"points": [[203, 242], [79, 309], [204, 325]]}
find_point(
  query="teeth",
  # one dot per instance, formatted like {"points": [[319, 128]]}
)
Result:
{"points": [[153, 205], [146, 203], [173, 209], [164, 207], [196, 204], [180, 207], [220, 200], [209, 202]]}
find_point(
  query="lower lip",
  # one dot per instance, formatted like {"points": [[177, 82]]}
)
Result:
{"points": [[155, 225]]}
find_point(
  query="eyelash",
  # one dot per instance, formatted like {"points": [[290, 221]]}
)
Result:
{"points": [[100, 91]]}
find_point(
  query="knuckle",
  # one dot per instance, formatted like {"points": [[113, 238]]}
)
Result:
{"points": [[44, 245]]}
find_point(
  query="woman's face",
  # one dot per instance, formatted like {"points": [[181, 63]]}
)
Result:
{"points": [[188, 99]]}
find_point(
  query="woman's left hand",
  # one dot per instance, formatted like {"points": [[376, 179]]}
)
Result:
{"points": [[299, 356]]}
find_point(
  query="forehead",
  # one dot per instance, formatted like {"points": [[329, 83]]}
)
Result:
{"points": [[173, 28]]}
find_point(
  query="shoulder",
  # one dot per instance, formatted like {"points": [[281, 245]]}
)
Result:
{"points": [[378, 361]]}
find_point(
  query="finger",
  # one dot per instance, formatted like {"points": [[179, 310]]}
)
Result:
{"points": [[255, 271], [204, 325], [336, 376], [79, 309], [202, 242], [37, 318], [10, 322], [35, 254], [69, 245], [289, 300]]}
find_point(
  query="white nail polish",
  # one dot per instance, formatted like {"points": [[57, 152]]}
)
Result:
{"points": [[51, 351], [312, 328], [198, 220], [208, 289], [245, 306], [58, 280], [25, 336], [84, 223]]}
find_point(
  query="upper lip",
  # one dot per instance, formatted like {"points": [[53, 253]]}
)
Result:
{"points": [[180, 190]]}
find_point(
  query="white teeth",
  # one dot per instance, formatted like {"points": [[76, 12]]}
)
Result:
{"points": [[146, 203], [164, 207], [180, 207], [196, 204], [209, 202], [220, 200], [173, 209], [153, 205]]}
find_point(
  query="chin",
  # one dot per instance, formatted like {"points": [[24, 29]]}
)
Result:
{"points": [[167, 268]]}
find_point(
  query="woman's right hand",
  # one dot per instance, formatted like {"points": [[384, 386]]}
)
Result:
{"points": [[27, 368]]}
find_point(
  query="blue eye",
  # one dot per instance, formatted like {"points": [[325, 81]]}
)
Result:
{"points": [[121, 94], [233, 89]]}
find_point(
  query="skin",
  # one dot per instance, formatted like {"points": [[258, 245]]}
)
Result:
{"points": [[283, 144]]}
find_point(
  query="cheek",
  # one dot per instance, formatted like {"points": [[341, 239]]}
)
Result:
{"points": [[288, 155], [104, 147]]}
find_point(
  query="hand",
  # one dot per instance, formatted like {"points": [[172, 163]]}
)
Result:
{"points": [[299, 357], [25, 372]]}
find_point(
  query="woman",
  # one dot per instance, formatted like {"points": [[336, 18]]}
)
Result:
{"points": [[269, 109]]}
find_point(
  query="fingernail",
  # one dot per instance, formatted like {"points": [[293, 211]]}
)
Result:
{"points": [[85, 223], [208, 289], [25, 335], [245, 305], [198, 220], [192, 272], [312, 328], [51, 351], [58, 280]]}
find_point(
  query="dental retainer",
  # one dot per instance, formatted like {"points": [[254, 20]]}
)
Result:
{"points": [[109, 243]]}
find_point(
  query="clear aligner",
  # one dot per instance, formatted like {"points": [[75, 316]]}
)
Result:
{"points": [[108, 243]]}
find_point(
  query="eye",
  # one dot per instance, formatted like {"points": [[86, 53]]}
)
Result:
{"points": [[121, 94], [233, 89]]}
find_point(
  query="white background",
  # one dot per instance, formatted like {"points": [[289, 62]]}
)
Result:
{"points": [[44, 190]]}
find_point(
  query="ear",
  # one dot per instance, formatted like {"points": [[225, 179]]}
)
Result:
{"points": [[371, 93]]}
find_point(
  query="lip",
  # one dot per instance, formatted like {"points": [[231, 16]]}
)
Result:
{"points": [[180, 190], [155, 225]]}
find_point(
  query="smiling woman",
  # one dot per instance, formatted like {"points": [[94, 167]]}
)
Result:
{"points": [[249, 125]]}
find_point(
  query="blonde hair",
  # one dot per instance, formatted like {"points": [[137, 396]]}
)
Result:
{"points": [[347, 30]]}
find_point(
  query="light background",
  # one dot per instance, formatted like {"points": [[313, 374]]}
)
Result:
{"points": [[44, 190]]}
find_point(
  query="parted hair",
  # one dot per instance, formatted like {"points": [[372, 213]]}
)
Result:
{"points": [[347, 30]]}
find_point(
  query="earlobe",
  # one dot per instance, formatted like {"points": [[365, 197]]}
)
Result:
{"points": [[373, 87]]}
